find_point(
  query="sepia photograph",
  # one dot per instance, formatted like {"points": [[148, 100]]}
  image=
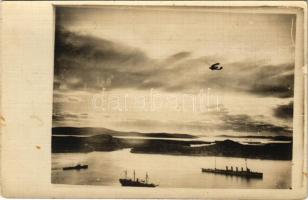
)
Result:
{"points": [[153, 99], [172, 97]]}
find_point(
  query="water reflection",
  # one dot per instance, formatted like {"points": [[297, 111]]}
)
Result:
{"points": [[105, 168]]}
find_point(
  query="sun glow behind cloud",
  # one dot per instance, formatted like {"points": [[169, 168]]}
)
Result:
{"points": [[126, 51]]}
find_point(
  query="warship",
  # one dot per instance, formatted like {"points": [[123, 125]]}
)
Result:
{"points": [[247, 173], [77, 167], [136, 182]]}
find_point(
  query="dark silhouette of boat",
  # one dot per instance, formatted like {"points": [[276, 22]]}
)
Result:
{"points": [[135, 182], [247, 173], [216, 66], [77, 167]]}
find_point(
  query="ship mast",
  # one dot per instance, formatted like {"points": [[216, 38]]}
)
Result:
{"points": [[134, 175], [246, 163], [146, 177], [125, 172], [215, 162]]}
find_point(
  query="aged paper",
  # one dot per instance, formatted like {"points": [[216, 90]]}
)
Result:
{"points": [[154, 99]]}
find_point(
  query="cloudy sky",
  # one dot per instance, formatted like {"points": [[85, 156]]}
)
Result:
{"points": [[109, 59]]}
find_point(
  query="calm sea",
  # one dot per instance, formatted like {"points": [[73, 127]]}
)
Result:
{"points": [[105, 168]]}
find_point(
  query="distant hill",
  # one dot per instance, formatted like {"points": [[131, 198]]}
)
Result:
{"points": [[98, 131], [103, 142], [100, 139], [226, 148], [276, 138]]}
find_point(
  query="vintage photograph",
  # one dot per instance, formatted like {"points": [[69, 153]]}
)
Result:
{"points": [[172, 97]]}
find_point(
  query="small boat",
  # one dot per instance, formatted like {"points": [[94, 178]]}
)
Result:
{"points": [[247, 173], [77, 167], [136, 182]]}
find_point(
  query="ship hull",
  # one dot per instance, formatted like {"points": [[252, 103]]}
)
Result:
{"points": [[76, 167], [245, 174], [131, 183]]}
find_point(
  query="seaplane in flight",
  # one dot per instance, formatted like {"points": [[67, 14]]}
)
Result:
{"points": [[216, 66]]}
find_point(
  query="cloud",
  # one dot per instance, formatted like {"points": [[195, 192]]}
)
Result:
{"points": [[84, 62], [244, 123], [66, 116], [65, 98], [216, 121], [254, 78], [274, 80], [145, 125], [284, 111], [176, 58], [88, 48]]}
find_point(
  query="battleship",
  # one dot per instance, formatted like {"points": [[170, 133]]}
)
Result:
{"points": [[135, 182], [77, 167], [247, 173]]}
